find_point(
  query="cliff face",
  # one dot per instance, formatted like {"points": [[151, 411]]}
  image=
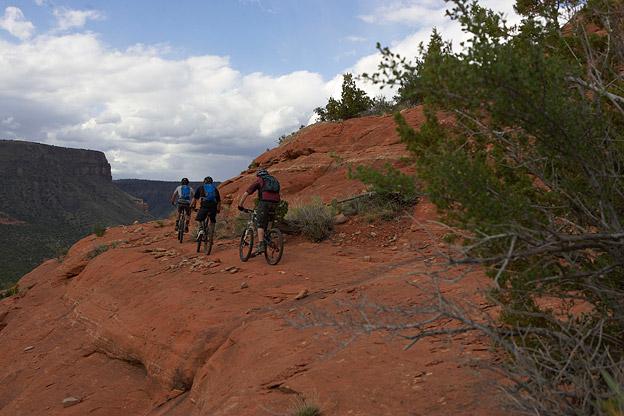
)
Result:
{"points": [[25, 161], [150, 326], [50, 197]]}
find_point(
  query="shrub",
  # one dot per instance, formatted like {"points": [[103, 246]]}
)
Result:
{"points": [[392, 186], [315, 221], [10, 292], [304, 406], [102, 248], [98, 229], [353, 101], [60, 251]]}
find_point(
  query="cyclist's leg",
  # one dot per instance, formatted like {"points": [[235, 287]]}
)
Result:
{"points": [[262, 217], [178, 209], [201, 216]]}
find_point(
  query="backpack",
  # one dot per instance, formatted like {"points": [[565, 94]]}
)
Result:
{"points": [[209, 191], [186, 193], [270, 184]]}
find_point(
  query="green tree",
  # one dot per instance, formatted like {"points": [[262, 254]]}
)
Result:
{"points": [[353, 102], [527, 173], [532, 169]]}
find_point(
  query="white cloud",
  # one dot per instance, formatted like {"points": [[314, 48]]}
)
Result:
{"points": [[68, 18], [16, 24], [139, 107], [157, 117]]}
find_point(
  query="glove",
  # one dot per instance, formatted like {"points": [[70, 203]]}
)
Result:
{"points": [[173, 203], [240, 208], [218, 211]]}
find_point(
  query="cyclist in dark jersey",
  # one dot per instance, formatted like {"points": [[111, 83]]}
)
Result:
{"points": [[210, 206], [266, 207]]}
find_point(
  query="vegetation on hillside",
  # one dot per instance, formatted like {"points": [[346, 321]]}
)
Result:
{"points": [[528, 180], [50, 197]]}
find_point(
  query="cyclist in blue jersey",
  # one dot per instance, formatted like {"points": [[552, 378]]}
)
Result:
{"points": [[184, 193], [210, 205]]}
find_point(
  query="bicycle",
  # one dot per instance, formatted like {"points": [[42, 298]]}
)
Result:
{"points": [[273, 239], [203, 236], [181, 223]]}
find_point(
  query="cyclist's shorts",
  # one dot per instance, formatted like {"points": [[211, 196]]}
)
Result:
{"points": [[208, 208], [186, 208], [266, 212]]}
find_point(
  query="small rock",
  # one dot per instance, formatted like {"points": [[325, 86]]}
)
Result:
{"points": [[244, 285], [138, 230], [211, 288], [373, 234], [302, 294], [234, 270], [71, 401], [341, 219], [367, 258], [282, 272], [30, 347], [135, 223]]}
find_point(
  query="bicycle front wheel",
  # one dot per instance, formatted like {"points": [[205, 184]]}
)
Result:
{"points": [[274, 246], [246, 244]]}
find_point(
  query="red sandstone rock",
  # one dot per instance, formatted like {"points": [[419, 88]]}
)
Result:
{"points": [[143, 329]]}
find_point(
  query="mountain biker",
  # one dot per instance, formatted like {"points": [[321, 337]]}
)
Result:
{"points": [[184, 193], [210, 205], [267, 206]]}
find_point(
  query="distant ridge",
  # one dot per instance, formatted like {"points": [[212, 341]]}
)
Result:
{"points": [[50, 197], [157, 194]]}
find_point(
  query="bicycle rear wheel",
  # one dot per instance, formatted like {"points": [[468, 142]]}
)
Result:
{"points": [[274, 246], [209, 238], [246, 244], [181, 226]]}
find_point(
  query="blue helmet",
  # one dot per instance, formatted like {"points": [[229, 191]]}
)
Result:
{"points": [[262, 172]]}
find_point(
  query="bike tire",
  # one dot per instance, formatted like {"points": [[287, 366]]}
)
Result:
{"points": [[181, 226], [246, 244], [274, 246], [208, 242]]}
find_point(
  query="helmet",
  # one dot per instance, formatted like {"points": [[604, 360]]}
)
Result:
{"points": [[208, 179], [262, 172], [185, 181]]}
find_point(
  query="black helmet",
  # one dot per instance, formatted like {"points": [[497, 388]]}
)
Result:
{"points": [[262, 172], [185, 181], [208, 179]]}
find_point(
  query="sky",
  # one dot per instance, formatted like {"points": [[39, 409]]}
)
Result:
{"points": [[190, 88]]}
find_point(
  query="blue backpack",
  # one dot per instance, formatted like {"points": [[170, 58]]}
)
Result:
{"points": [[210, 192], [186, 193]]}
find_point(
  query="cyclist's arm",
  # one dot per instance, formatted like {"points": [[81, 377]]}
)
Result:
{"points": [[242, 200], [173, 198], [196, 197]]}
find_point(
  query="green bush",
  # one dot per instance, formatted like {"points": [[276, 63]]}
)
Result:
{"points": [[10, 292], [353, 102], [98, 229], [390, 186], [315, 221], [102, 248]]}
